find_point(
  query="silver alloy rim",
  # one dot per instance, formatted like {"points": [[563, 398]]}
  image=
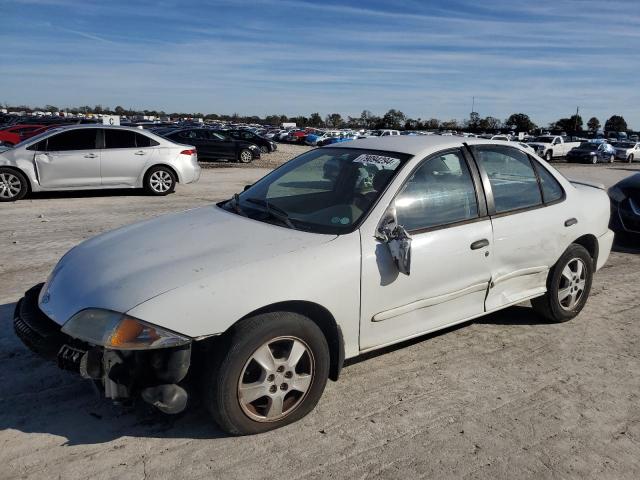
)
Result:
{"points": [[10, 185], [276, 379], [572, 284], [160, 181], [245, 156]]}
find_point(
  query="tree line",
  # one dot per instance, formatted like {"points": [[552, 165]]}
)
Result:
{"points": [[392, 119]]}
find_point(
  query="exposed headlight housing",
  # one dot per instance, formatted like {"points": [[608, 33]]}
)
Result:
{"points": [[119, 331], [616, 194]]}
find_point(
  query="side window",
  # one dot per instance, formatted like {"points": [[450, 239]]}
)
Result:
{"points": [[119, 138], [80, 139], [247, 136], [551, 189], [440, 192], [513, 180], [144, 141], [40, 146]]}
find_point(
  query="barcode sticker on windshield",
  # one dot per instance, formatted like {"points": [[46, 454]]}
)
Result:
{"points": [[367, 158]]}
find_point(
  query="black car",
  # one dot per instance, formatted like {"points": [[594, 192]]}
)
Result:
{"points": [[625, 208], [265, 145], [588, 152], [212, 145]]}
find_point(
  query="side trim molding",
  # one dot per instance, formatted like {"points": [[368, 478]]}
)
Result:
{"points": [[428, 302]]}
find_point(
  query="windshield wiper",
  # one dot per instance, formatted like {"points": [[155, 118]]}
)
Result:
{"points": [[235, 204], [273, 210]]}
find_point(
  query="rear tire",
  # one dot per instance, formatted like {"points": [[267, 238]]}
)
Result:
{"points": [[13, 185], [245, 156], [159, 181], [568, 286], [258, 383]]}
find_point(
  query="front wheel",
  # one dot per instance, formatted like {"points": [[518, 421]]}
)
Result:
{"points": [[630, 158], [13, 185], [245, 156], [612, 158], [159, 181], [548, 156], [594, 159], [568, 286], [264, 149], [272, 373]]}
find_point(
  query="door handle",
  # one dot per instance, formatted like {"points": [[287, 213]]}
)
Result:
{"points": [[571, 222], [480, 244], [90, 155], [140, 153]]}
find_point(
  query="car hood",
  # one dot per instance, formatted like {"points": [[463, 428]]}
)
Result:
{"points": [[120, 269]]}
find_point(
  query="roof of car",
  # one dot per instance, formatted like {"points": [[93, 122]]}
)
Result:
{"points": [[414, 145]]}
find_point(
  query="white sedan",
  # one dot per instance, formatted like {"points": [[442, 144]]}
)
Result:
{"points": [[258, 300], [87, 157]]}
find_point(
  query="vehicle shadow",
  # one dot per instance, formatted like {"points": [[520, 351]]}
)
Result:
{"points": [[627, 169], [516, 315], [37, 397], [626, 246], [116, 192]]}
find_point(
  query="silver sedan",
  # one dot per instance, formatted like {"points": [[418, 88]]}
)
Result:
{"points": [[85, 157]]}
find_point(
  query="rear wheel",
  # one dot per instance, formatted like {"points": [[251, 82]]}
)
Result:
{"points": [[159, 181], [13, 185], [245, 156], [568, 286], [272, 373], [594, 159]]}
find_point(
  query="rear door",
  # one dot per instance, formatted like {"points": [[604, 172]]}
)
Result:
{"points": [[528, 230], [69, 159], [124, 156]]}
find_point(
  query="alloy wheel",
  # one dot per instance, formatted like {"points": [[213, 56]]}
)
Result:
{"points": [[161, 181], [245, 156], [10, 185], [276, 379], [572, 284]]}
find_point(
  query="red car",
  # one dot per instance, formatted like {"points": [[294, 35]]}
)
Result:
{"points": [[17, 133]]}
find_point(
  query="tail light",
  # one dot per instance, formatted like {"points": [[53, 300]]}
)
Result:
{"points": [[188, 152]]}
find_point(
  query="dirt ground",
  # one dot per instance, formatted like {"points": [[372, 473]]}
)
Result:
{"points": [[506, 396]]}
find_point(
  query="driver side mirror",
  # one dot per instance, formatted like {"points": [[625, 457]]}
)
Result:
{"points": [[397, 239]]}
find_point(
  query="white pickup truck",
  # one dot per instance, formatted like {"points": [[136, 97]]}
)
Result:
{"points": [[550, 146]]}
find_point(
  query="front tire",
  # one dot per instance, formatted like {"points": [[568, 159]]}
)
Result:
{"points": [[159, 181], [548, 156], [245, 156], [272, 373], [264, 149], [630, 158], [612, 158], [13, 185], [568, 286]]}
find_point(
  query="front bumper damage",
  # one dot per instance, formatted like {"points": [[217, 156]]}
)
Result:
{"points": [[158, 376]]}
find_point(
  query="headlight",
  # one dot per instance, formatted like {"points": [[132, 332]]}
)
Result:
{"points": [[616, 194], [118, 331]]}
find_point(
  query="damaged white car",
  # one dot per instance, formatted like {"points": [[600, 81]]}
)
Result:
{"points": [[257, 301]]}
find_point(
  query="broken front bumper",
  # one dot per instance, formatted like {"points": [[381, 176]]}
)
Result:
{"points": [[156, 375]]}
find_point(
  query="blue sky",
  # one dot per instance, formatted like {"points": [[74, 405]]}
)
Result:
{"points": [[426, 58]]}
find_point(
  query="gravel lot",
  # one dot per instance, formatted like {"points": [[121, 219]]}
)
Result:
{"points": [[505, 396]]}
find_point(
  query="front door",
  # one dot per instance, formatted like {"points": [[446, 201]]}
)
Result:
{"points": [[70, 159], [450, 255], [124, 156]]}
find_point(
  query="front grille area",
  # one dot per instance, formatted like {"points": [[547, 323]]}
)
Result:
{"points": [[37, 331]]}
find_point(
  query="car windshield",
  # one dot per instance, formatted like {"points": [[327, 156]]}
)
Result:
{"points": [[327, 190], [543, 139]]}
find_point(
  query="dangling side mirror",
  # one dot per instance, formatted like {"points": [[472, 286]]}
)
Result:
{"points": [[397, 239]]}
